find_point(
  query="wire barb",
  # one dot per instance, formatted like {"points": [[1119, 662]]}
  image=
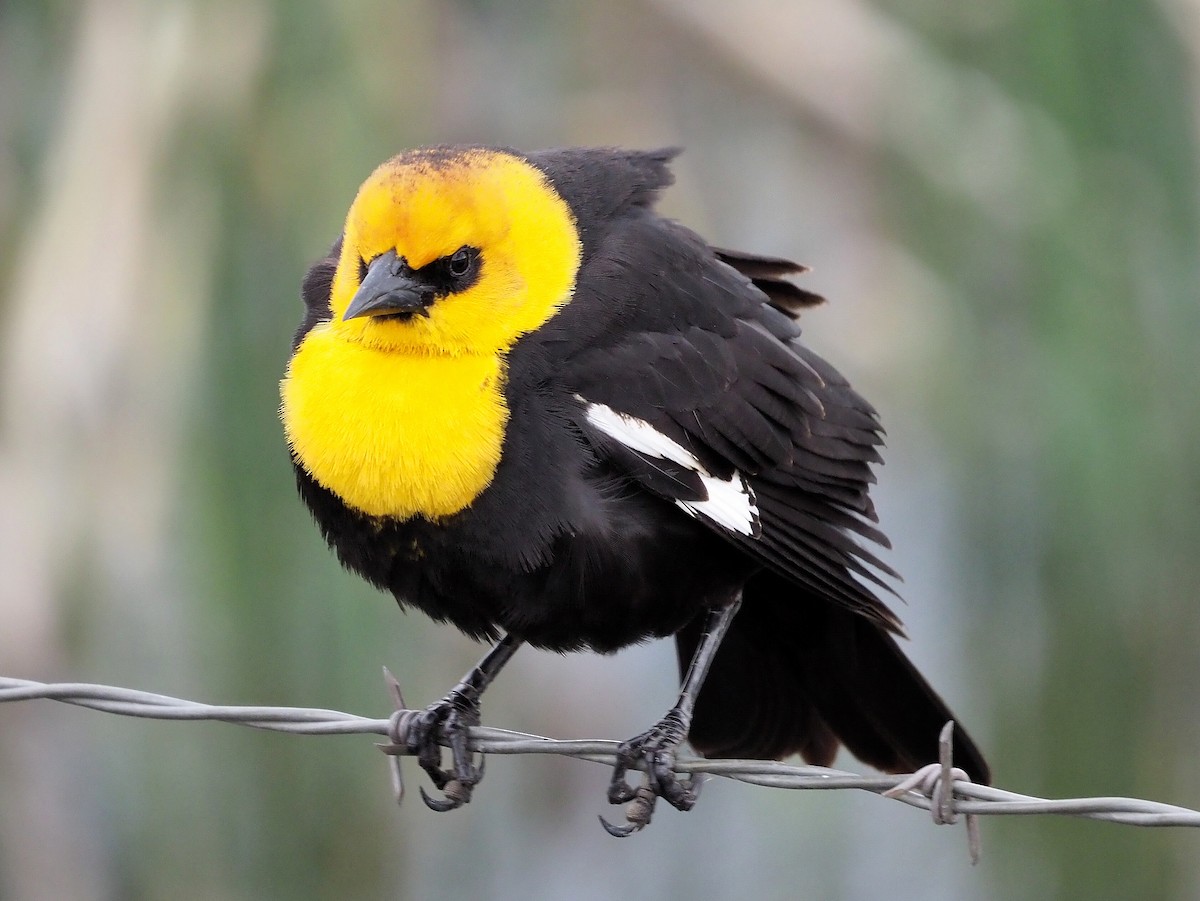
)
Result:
{"points": [[958, 795], [397, 732], [935, 781]]}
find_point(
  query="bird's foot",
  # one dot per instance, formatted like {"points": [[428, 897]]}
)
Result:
{"points": [[447, 722], [653, 752]]}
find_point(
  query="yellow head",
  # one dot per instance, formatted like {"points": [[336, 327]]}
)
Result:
{"points": [[452, 252], [397, 404]]}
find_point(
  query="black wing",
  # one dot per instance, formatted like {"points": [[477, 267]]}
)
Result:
{"points": [[691, 377]]}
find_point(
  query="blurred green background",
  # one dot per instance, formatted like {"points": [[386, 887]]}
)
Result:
{"points": [[1001, 201]]}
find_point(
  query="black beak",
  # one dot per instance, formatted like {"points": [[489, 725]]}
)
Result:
{"points": [[390, 288]]}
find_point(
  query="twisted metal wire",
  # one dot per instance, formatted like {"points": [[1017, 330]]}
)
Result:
{"points": [[939, 788]]}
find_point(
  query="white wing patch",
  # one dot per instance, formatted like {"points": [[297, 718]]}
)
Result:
{"points": [[731, 503]]}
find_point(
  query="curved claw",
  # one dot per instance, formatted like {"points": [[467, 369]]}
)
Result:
{"points": [[447, 722], [637, 814], [621, 831], [456, 795], [441, 805], [653, 752]]}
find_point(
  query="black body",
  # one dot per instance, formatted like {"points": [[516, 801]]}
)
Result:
{"points": [[578, 543]]}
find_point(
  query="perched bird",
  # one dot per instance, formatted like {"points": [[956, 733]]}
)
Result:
{"points": [[524, 403]]}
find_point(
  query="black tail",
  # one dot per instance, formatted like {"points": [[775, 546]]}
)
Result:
{"points": [[799, 674]]}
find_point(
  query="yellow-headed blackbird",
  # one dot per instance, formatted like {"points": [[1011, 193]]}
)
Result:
{"points": [[524, 403]]}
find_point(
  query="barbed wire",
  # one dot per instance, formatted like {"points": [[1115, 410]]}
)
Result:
{"points": [[940, 788]]}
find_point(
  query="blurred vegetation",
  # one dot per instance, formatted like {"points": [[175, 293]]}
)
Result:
{"points": [[1002, 202]]}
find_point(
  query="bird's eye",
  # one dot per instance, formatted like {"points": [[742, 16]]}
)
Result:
{"points": [[460, 261]]}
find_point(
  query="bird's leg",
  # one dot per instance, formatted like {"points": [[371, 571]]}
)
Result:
{"points": [[449, 720], [655, 748]]}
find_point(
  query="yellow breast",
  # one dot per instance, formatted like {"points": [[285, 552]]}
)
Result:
{"points": [[394, 434]]}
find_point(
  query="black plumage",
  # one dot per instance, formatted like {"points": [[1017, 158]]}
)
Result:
{"points": [[584, 540]]}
